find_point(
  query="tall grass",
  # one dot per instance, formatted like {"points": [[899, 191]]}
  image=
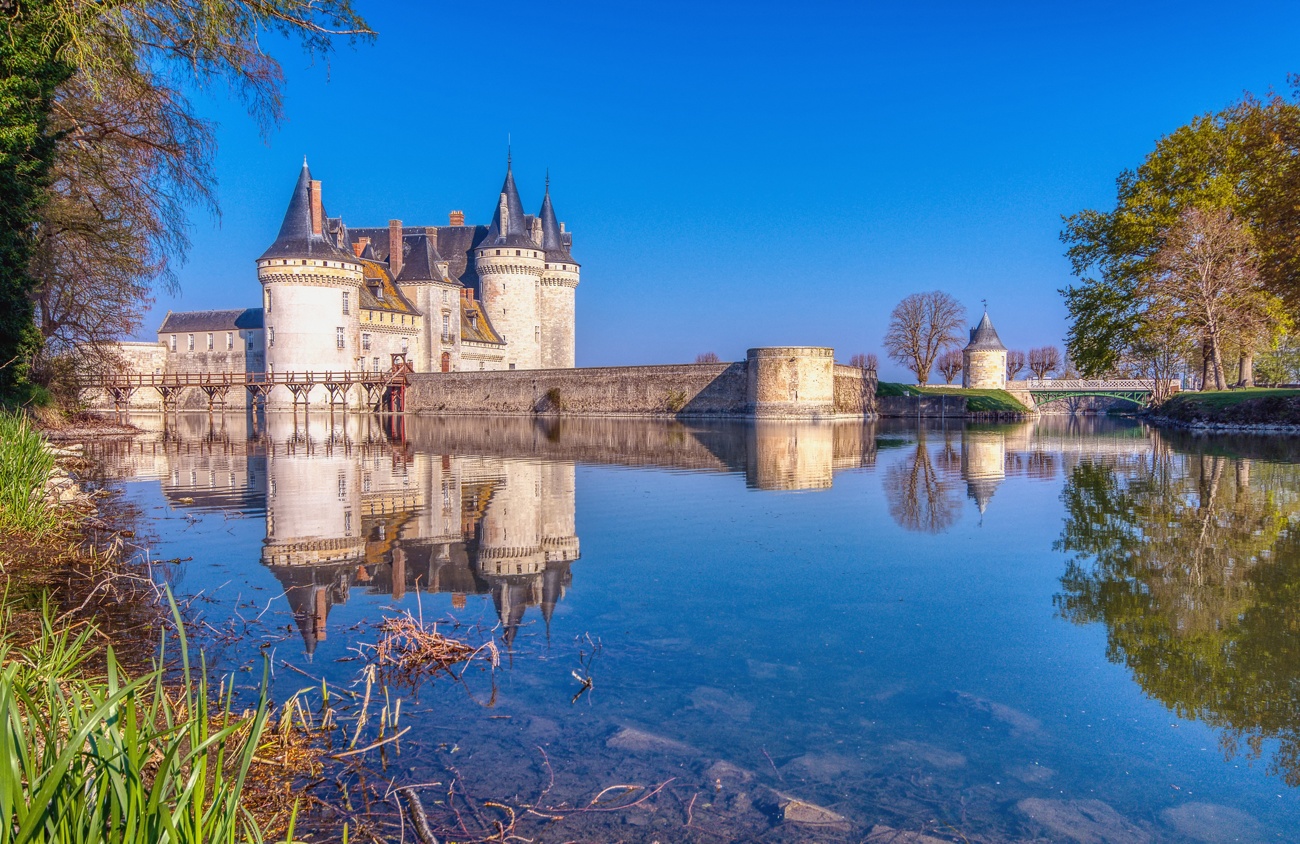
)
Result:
{"points": [[89, 757], [24, 468]]}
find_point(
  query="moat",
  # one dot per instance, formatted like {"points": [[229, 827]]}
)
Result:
{"points": [[1071, 629]]}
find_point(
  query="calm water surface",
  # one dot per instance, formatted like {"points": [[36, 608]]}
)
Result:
{"points": [[1054, 631]]}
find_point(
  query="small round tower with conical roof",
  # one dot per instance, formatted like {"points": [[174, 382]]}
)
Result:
{"points": [[311, 290], [510, 264], [559, 283], [984, 360]]}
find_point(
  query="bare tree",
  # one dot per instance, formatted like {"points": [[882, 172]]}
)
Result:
{"points": [[859, 360], [1206, 279], [1043, 361], [920, 497], [1015, 363], [920, 328], [872, 364], [707, 357], [950, 364]]}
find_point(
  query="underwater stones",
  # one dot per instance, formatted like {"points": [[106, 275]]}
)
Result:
{"points": [[1019, 722], [820, 767], [1032, 773], [1082, 821], [633, 740], [709, 699], [1209, 823], [723, 774], [801, 812], [928, 753], [881, 834]]}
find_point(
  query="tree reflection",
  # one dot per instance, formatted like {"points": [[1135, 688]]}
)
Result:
{"points": [[1193, 564], [921, 496]]}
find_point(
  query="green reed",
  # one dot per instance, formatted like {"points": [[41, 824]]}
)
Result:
{"points": [[24, 468], [89, 757]]}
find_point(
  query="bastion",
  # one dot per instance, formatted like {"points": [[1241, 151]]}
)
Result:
{"points": [[790, 381]]}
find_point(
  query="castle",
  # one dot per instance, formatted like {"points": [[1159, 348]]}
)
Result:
{"points": [[448, 298]]}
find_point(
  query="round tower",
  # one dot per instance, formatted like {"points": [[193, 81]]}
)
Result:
{"points": [[510, 263], [984, 360], [559, 285], [311, 292]]}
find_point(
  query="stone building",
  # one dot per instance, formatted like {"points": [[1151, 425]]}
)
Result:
{"points": [[984, 360], [449, 298]]}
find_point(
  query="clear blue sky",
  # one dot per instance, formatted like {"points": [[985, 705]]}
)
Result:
{"points": [[745, 175]]}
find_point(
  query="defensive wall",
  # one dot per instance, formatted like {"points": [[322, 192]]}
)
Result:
{"points": [[778, 382]]}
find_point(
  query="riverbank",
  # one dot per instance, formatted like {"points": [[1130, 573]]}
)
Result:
{"points": [[908, 400], [1253, 409]]}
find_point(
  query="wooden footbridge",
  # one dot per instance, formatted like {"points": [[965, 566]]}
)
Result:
{"points": [[385, 390], [1136, 390]]}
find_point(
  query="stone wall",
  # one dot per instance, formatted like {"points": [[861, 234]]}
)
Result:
{"points": [[855, 390], [984, 369], [786, 381], [709, 389]]}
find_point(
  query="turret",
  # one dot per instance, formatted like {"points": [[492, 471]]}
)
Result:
{"points": [[510, 264], [559, 283], [310, 290], [984, 360]]}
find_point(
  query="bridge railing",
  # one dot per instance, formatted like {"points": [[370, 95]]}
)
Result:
{"points": [[238, 379], [1072, 385]]}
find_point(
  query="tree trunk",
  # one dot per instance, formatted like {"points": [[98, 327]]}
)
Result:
{"points": [[1220, 383], [1205, 364], [1246, 370]]}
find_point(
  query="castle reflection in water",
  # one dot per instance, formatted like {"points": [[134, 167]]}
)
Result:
{"points": [[479, 506]]}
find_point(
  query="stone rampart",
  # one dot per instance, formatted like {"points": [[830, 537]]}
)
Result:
{"points": [[787, 382]]}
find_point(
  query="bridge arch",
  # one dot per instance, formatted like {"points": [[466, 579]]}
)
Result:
{"points": [[1048, 396]]}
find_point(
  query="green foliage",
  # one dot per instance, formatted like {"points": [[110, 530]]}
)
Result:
{"points": [[675, 400], [114, 759], [31, 69], [977, 401], [1191, 563], [24, 468]]}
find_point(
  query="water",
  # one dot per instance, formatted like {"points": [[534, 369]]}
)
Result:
{"points": [[1061, 630]]}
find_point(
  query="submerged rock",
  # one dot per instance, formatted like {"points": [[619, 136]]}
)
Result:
{"points": [[640, 741], [1209, 823], [1019, 722], [821, 767], [881, 834], [709, 699], [802, 812], [921, 751], [1083, 821]]}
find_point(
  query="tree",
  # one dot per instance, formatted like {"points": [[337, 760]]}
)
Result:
{"points": [[1015, 363], [1206, 279], [125, 152], [950, 363], [1043, 361], [920, 328], [707, 357]]}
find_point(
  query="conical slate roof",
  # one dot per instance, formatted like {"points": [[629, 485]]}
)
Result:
{"points": [[513, 230], [421, 261], [296, 239], [552, 237], [985, 336]]}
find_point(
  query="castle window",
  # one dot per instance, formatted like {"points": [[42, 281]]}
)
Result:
{"points": [[376, 364], [268, 301], [365, 342], [444, 297], [347, 302], [304, 263], [209, 341], [230, 340], [518, 253], [338, 336], [537, 333], [446, 327], [270, 336], [403, 319], [405, 344], [173, 342], [191, 341]]}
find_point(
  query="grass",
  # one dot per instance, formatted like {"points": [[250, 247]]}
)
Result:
{"points": [[98, 756], [977, 401], [1227, 398], [24, 468]]}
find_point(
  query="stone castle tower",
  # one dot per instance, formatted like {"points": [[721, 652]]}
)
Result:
{"points": [[984, 360], [311, 289]]}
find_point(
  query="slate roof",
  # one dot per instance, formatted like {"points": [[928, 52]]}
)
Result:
{"points": [[475, 327], [191, 321], [555, 242], [296, 239], [985, 336], [455, 245], [376, 276], [421, 259], [514, 229]]}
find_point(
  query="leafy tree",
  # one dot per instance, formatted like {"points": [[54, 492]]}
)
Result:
{"points": [[1015, 363], [950, 364], [921, 327]]}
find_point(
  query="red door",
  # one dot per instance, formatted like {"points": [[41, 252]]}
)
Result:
{"points": [[446, 361]]}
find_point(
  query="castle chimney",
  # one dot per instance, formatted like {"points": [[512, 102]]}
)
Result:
{"points": [[316, 213], [457, 218], [395, 252], [359, 245]]}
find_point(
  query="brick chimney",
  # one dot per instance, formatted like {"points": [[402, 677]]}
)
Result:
{"points": [[457, 218], [316, 214], [359, 245], [395, 252]]}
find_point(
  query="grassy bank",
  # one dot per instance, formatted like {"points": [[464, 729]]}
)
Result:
{"points": [[25, 466], [977, 401], [1256, 406]]}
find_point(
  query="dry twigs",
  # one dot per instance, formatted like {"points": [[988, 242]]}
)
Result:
{"points": [[410, 650]]}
